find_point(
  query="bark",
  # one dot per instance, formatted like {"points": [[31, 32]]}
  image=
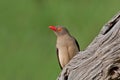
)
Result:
{"points": [[100, 60]]}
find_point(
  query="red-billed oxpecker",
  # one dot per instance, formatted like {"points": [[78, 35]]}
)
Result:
{"points": [[67, 46]]}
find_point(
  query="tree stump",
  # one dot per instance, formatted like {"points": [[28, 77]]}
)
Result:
{"points": [[100, 60]]}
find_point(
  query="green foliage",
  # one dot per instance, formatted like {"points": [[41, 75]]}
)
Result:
{"points": [[27, 46]]}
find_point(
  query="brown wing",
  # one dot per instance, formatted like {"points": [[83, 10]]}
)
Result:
{"points": [[77, 44], [58, 58]]}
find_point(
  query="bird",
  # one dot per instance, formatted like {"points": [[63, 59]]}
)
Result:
{"points": [[66, 45]]}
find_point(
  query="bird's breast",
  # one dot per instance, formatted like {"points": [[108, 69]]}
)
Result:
{"points": [[66, 49]]}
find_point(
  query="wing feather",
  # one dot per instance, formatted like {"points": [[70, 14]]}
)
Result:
{"points": [[77, 44], [58, 57]]}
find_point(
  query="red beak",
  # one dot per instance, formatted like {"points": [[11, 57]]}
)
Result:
{"points": [[53, 28]]}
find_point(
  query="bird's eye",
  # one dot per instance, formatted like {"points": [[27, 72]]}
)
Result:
{"points": [[59, 29]]}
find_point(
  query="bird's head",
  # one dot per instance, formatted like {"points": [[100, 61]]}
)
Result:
{"points": [[59, 30]]}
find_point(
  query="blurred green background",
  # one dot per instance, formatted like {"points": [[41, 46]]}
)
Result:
{"points": [[27, 46]]}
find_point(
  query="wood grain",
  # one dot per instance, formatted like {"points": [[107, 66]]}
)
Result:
{"points": [[101, 59]]}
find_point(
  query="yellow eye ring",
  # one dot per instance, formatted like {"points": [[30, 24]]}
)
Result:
{"points": [[59, 29]]}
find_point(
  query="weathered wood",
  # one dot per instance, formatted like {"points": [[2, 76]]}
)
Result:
{"points": [[100, 60]]}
